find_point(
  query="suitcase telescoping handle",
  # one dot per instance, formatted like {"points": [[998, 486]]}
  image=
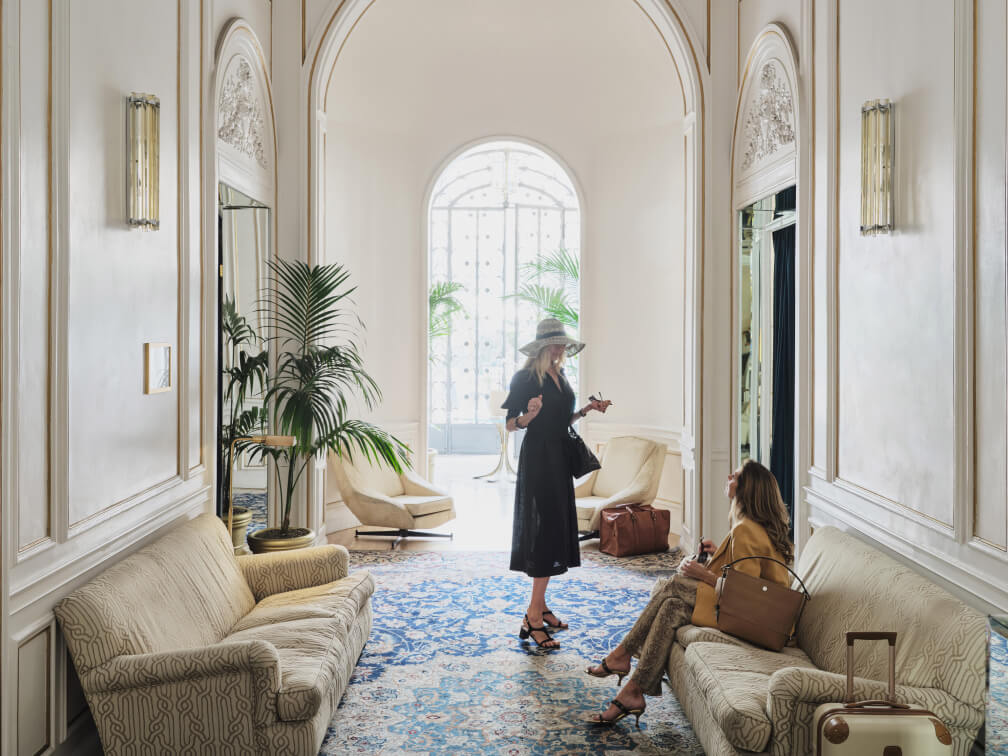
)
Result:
{"points": [[891, 700]]}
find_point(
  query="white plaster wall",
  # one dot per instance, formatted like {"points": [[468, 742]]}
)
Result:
{"points": [[123, 283], [910, 472], [258, 14], [752, 18], [992, 414], [896, 312], [603, 95]]}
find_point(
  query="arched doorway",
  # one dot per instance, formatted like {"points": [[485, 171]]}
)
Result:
{"points": [[683, 48], [504, 237]]}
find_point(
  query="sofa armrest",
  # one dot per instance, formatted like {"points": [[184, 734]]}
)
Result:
{"points": [[414, 485], [143, 670], [795, 692], [281, 571]]}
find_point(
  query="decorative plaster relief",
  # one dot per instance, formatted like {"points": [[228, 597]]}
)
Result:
{"points": [[240, 121], [769, 123]]}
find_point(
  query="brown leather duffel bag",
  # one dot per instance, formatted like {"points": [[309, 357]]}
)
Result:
{"points": [[634, 529]]}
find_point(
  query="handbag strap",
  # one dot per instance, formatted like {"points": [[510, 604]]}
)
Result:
{"points": [[724, 571]]}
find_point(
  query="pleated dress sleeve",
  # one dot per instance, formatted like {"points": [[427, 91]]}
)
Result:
{"points": [[523, 388]]}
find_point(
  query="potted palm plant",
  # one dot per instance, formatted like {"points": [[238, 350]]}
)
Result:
{"points": [[245, 374], [317, 374]]}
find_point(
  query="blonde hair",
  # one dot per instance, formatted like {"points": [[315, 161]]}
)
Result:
{"points": [[540, 362], [758, 498]]}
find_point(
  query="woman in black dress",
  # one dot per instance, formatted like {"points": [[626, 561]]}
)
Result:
{"points": [[545, 538]]}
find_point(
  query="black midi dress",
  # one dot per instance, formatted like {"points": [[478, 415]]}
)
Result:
{"points": [[544, 540]]}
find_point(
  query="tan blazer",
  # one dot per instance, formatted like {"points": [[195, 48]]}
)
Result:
{"points": [[747, 538]]}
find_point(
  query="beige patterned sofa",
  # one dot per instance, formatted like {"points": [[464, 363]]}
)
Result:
{"points": [[183, 648], [742, 699]]}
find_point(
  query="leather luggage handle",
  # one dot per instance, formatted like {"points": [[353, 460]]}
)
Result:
{"points": [[851, 637], [887, 636], [724, 571]]}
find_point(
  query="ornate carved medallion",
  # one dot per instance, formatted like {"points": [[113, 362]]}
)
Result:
{"points": [[240, 113], [770, 122]]}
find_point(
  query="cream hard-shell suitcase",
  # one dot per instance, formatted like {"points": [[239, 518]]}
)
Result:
{"points": [[885, 728]]}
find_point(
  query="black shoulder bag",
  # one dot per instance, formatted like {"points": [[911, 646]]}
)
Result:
{"points": [[580, 459]]}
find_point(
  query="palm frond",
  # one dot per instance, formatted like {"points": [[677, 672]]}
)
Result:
{"points": [[562, 264], [553, 302], [443, 305]]}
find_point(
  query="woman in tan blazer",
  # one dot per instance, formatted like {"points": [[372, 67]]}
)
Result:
{"points": [[759, 528]]}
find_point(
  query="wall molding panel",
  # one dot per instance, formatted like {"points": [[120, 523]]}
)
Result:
{"points": [[57, 532], [946, 548]]}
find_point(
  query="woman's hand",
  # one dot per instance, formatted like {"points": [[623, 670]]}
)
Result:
{"points": [[697, 571], [708, 547], [598, 405], [534, 405]]}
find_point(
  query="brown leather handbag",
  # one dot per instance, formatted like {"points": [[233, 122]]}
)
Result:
{"points": [[634, 529], [759, 611]]}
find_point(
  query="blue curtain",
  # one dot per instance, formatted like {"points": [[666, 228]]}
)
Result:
{"points": [[782, 429]]}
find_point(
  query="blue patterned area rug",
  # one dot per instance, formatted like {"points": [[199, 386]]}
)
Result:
{"points": [[445, 672]]}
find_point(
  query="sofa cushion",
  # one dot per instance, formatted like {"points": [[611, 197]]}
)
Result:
{"points": [[622, 460], [737, 680], [418, 506], [183, 591], [586, 506], [941, 641], [311, 652], [341, 600], [688, 634]]}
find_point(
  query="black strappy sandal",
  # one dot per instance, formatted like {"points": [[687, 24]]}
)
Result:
{"points": [[606, 671], [558, 625], [527, 630], [599, 719]]}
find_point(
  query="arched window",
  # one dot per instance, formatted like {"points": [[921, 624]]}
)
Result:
{"points": [[495, 210]]}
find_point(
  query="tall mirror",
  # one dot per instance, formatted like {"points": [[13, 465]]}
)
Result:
{"points": [[243, 251], [766, 336]]}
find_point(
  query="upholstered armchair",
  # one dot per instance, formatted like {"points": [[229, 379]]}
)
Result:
{"points": [[380, 497], [631, 471]]}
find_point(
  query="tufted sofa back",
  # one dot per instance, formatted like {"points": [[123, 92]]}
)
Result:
{"points": [[940, 643], [183, 591]]}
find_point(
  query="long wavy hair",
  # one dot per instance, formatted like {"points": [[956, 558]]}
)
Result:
{"points": [[758, 498], [540, 362]]}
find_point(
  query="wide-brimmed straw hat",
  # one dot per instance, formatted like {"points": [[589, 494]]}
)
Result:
{"points": [[549, 332]]}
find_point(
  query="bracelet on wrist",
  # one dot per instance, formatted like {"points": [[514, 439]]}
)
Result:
{"points": [[583, 412]]}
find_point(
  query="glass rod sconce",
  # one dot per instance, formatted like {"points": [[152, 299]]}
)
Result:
{"points": [[143, 134], [878, 143]]}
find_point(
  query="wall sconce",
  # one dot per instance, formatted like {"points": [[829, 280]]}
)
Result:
{"points": [[878, 147], [143, 137]]}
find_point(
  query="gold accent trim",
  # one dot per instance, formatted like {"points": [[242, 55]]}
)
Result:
{"points": [[202, 241], [878, 499], [48, 694], [174, 480], [181, 179], [834, 316], [708, 36], [997, 546], [49, 462], [304, 41]]}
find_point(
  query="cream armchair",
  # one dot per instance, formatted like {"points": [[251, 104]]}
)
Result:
{"points": [[381, 497], [631, 471]]}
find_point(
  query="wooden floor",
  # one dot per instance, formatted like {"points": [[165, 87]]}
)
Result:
{"points": [[483, 507]]}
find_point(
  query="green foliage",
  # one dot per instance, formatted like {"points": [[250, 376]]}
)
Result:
{"points": [[558, 298], [443, 305], [246, 374], [318, 371]]}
